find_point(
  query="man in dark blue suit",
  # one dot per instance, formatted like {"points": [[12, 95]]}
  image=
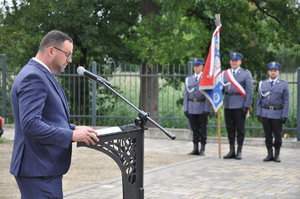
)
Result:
{"points": [[43, 132]]}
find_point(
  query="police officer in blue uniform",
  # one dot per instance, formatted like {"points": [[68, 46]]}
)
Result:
{"points": [[272, 109], [196, 108], [237, 101]]}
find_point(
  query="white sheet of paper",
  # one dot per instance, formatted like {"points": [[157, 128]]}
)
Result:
{"points": [[114, 129]]}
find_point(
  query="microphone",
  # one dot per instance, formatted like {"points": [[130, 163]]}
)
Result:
{"points": [[81, 70]]}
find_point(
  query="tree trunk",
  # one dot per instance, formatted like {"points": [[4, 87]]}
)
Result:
{"points": [[149, 7], [149, 84], [149, 91]]}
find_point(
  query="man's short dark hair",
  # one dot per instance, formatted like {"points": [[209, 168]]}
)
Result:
{"points": [[54, 38]]}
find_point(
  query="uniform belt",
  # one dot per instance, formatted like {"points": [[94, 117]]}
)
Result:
{"points": [[232, 93], [273, 107], [197, 99]]}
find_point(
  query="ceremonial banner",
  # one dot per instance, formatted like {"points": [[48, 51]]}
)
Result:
{"points": [[211, 82]]}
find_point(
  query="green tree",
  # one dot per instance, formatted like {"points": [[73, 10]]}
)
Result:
{"points": [[97, 28], [181, 30]]}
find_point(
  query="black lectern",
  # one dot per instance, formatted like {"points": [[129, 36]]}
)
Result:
{"points": [[125, 145]]}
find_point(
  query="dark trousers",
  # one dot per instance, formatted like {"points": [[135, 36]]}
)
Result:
{"points": [[235, 124], [272, 126], [40, 187], [199, 127]]}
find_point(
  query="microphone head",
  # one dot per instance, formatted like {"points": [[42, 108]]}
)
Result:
{"points": [[80, 70]]}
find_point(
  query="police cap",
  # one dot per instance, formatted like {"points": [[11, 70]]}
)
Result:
{"points": [[198, 61], [236, 55]]}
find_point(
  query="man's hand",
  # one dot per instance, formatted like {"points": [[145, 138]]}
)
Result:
{"points": [[187, 115], [259, 118], [245, 111], [283, 120], [85, 134], [206, 113]]}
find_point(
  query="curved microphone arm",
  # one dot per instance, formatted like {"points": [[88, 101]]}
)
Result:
{"points": [[142, 114]]}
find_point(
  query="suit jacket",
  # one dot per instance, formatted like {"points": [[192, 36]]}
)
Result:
{"points": [[278, 96], [244, 78], [191, 92], [43, 133]]}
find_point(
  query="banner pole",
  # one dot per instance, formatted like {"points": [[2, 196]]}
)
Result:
{"points": [[217, 23], [219, 133]]}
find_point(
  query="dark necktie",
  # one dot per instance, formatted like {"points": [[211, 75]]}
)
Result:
{"points": [[272, 83], [233, 73]]}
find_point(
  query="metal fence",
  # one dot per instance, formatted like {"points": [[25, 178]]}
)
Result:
{"points": [[93, 105]]}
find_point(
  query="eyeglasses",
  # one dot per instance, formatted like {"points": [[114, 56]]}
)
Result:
{"points": [[69, 55]]}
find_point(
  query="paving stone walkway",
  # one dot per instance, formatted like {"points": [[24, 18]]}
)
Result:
{"points": [[210, 177]]}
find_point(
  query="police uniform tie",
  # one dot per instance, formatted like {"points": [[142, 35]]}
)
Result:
{"points": [[233, 73], [272, 83]]}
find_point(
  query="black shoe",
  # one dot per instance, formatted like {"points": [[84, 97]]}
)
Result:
{"points": [[270, 155], [276, 158], [202, 153], [238, 156], [194, 152], [239, 153], [202, 150], [268, 158], [231, 153]]}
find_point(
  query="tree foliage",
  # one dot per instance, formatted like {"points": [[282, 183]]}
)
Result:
{"points": [[257, 29], [97, 27], [114, 30]]}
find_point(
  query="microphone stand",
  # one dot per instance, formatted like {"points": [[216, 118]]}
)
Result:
{"points": [[142, 114], [127, 150]]}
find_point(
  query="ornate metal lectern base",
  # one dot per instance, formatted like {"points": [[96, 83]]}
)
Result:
{"points": [[126, 148]]}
